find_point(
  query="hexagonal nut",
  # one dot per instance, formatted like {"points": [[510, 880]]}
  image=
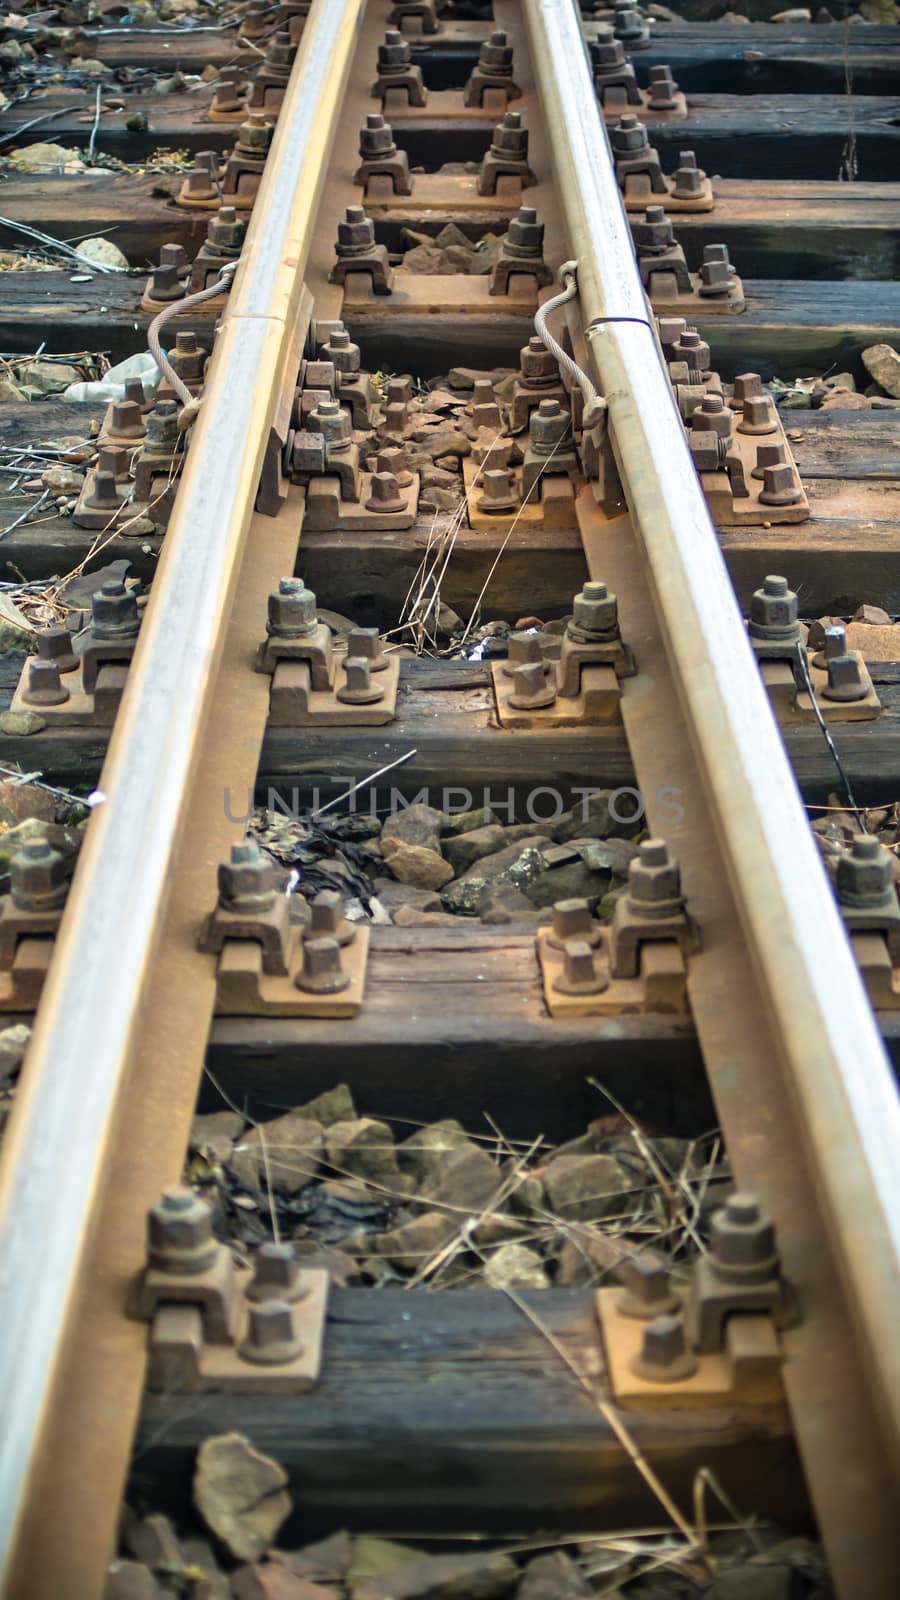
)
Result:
{"points": [[595, 609], [655, 229], [610, 54], [496, 53], [742, 1237], [162, 424], [548, 426], [865, 873], [37, 877], [291, 609], [537, 362], [246, 880], [653, 877], [355, 231], [255, 134], [774, 606], [629, 136], [376, 138], [511, 136], [395, 51], [525, 234], [227, 229], [331, 420], [114, 611], [179, 1233]]}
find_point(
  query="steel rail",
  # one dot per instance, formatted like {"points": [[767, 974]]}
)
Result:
{"points": [[830, 1056], [93, 1014]]}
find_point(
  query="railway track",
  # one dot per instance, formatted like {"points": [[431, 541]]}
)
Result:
{"points": [[616, 463]]}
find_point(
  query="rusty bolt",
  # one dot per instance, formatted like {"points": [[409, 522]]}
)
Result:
{"points": [[188, 358], [399, 391], [511, 137], [331, 420], [865, 875], [713, 416], [548, 426], [180, 1237], [655, 231], [774, 612], [538, 364], [393, 460], [113, 458], [846, 681], [595, 610], [662, 90], [358, 688], [165, 284], [55, 644], [174, 256], [279, 51], [572, 920], [498, 491], [609, 57], [647, 1288], [271, 1338], [629, 137], [523, 649], [716, 278], [277, 1275], [629, 25], [322, 972], [495, 56], [291, 610], [525, 235], [767, 455], [670, 330], [758, 416], [37, 877], [694, 350], [134, 390], [246, 879], [255, 135], [654, 881], [533, 687], [126, 421], [103, 494], [780, 486], [201, 183], [376, 138], [747, 386], [226, 229], [114, 612], [386, 496], [341, 351], [44, 686], [328, 919], [395, 418], [356, 232], [742, 1241], [394, 54], [688, 177], [664, 1355], [162, 425], [580, 973], [367, 642]]}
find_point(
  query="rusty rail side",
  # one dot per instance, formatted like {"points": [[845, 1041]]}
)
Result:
{"points": [[803, 1086], [124, 1017]]}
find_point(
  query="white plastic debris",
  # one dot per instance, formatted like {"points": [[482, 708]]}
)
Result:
{"points": [[102, 253], [112, 386]]}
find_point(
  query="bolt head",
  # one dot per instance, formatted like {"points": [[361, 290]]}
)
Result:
{"points": [[291, 609], [356, 231], [774, 610], [179, 1233], [742, 1238], [322, 972], [114, 612], [865, 875], [246, 879], [595, 609], [653, 877], [37, 877]]}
